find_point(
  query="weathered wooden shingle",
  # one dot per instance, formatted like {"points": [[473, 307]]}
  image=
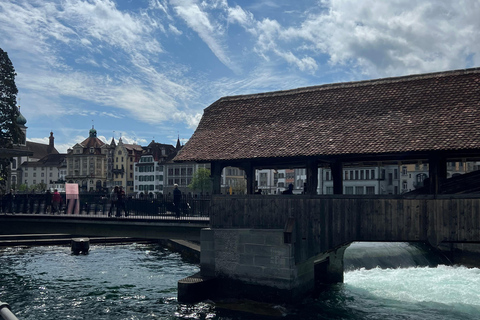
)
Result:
{"points": [[427, 112]]}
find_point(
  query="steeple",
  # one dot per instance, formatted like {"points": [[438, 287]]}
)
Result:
{"points": [[93, 133], [51, 143], [21, 120], [178, 143]]}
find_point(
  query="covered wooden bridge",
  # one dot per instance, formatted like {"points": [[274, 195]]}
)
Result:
{"points": [[288, 243], [430, 118]]}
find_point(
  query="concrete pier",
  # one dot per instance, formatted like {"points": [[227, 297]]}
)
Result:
{"points": [[257, 264]]}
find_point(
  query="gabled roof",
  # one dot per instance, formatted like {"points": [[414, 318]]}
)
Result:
{"points": [[155, 149], [417, 113], [40, 150], [51, 160], [92, 142]]}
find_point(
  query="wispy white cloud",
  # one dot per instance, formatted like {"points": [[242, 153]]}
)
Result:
{"points": [[134, 62], [210, 32]]}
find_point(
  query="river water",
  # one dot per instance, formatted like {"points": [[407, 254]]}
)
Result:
{"points": [[139, 281]]}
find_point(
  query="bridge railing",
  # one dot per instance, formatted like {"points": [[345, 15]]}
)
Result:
{"points": [[99, 205]]}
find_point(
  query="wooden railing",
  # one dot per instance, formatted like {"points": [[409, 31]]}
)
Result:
{"points": [[323, 223]]}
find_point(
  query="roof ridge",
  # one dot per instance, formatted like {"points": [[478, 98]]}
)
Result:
{"points": [[352, 84]]}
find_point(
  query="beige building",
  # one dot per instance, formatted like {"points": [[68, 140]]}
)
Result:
{"points": [[87, 164], [124, 158]]}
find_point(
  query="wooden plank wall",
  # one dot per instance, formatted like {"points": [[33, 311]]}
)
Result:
{"points": [[323, 223]]}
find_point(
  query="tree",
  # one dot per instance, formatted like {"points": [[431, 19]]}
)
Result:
{"points": [[9, 131], [201, 181]]}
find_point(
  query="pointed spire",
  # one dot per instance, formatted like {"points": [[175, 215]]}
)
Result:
{"points": [[178, 143]]}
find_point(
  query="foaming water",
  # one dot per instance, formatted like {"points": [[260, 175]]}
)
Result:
{"points": [[139, 281], [444, 292]]}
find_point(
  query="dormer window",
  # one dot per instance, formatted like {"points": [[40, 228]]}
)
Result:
{"points": [[92, 150]]}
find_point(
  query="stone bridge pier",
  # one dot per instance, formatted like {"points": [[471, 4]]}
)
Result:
{"points": [[258, 264]]}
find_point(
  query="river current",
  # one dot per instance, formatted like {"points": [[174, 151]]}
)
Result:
{"points": [[139, 281]]}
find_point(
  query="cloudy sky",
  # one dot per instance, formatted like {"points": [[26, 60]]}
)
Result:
{"points": [[146, 69]]}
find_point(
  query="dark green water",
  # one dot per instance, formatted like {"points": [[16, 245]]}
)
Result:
{"points": [[139, 281]]}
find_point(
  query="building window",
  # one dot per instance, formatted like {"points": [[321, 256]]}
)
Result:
{"points": [[348, 190], [329, 190], [359, 190], [370, 190]]}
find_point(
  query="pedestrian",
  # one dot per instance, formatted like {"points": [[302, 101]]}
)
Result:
{"points": [[121, 202], [177, 199], [56, 201], [289, 190], [9, 199], [48, 202], [113, 200]]}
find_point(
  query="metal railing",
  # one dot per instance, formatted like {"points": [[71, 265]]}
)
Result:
{"points": [[5, 312], [100, 205]]}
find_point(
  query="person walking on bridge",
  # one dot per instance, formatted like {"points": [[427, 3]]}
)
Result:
{"points": [[48, 202], [121, 202], [56, 201]]}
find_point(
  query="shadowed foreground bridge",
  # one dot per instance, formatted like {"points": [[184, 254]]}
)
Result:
{"points": [[280, 245]]}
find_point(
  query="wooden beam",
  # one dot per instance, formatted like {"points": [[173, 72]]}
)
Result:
{"points": [[250, 173], [337, 176], [216, 176], [312, 177], [437, 167]]}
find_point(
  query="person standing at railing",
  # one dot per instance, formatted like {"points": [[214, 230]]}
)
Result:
{"points": [[48, 202], [56, 201], [9, 199], [113, 200], [121, 202], [177, 199]]}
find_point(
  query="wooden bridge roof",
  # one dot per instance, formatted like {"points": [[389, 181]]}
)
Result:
{"points": [[402, 115]]}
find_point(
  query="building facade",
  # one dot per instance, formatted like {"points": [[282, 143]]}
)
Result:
{"points": [[124, 158], [150, 170], [87, 164]]}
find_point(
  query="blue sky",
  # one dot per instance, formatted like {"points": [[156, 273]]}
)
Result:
{"points": [[146, 69]]}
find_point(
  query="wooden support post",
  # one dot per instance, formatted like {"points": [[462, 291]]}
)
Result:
{"points": [[250, 173], [216, 176], [337, 170], [437, 167], [312, 177]]}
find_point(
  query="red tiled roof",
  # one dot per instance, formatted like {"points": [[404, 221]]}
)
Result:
{"points": [[427, 112]]}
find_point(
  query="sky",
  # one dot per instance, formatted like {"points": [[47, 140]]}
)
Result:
{"points": [[144, 70]]}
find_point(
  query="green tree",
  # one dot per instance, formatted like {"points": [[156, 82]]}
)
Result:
{"points": [[9, 131], [23, 187], [201, 181]]}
